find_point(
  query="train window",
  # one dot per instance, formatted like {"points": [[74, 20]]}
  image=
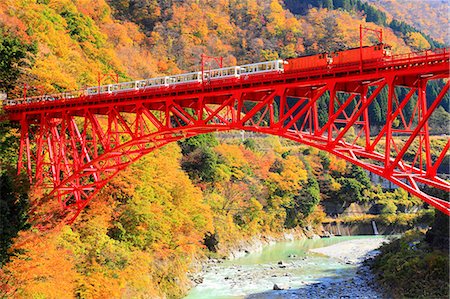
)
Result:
{"points": [[92, 90], [140, 84]]}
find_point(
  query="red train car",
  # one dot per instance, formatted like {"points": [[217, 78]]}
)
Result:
{"points": [[369, 53], [307, 62]]}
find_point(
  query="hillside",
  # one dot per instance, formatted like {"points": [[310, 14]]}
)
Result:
{"points": [[431, 17], [76, 40], [73, 41]]}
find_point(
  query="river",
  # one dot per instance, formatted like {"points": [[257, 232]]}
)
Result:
{"points": [[291, 266]]}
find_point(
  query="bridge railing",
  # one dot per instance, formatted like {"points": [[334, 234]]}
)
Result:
{"points": [[419, 55], [44, 98]]}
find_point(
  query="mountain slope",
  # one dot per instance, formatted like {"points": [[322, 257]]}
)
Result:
{"points": [[431, 17], [76, 40]]}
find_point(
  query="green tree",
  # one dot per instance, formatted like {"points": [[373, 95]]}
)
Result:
{"points": [[13, 191], [303, 205], [309, 197], [325, 160], [13, 211], [250, 144], [201, 164], [375, 113], [439, 122], [204, 140], [328, 4], [360, 175], [350, 191]]}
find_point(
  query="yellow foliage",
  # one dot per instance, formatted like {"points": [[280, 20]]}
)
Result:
{"points": [[292, 175], [316, 217], [335, 186], [418, 41], [232, 154]]}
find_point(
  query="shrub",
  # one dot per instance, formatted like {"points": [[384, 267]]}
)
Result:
{"points": [[410, 268]]}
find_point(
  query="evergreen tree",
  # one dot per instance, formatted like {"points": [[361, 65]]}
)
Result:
{"points": [[360, 175], [375, 113], [328, 4]]}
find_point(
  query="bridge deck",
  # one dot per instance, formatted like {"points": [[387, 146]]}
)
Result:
{"points": [[406, 67]]}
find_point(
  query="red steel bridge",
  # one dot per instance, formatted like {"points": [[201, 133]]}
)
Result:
{"points": [[74, 145]]}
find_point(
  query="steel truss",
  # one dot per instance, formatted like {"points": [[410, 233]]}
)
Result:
{"points": [[74, 149]]}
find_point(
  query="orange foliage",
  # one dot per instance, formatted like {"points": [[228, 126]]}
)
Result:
{"points": [[43, 268], [337, 164]]}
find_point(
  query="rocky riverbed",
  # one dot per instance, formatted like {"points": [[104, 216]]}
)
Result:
{"points": [[296, 269], [361, 285], [352, 251]]}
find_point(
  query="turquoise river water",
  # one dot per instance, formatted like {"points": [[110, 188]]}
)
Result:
{"points": [[258, 272]]}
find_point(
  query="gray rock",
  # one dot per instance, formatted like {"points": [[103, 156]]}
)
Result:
{"points": [[279, 287]]}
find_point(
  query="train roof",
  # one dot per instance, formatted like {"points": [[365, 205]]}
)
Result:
{"points": [[309, 55], [340, 50], [354, 48]]}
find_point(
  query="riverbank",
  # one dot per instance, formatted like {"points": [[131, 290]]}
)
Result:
{"points": [[293, 267], [424, 260], [353, 251]]}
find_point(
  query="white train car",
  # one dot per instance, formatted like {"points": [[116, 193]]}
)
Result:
{"points": [[262, 67], [9, 102], [91, 90], [222, 73], [185, 78], [99, 89], [156, 82]]}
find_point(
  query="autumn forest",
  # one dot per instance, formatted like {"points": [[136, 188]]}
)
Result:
{"points": [[199, 197]]}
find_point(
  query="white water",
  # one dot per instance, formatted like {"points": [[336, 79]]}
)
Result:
{"points": [[255, 274], [375, 230]]}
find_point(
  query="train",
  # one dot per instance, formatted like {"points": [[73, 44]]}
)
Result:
{"points": [[375, 53], [303, 63], [379, 52]]}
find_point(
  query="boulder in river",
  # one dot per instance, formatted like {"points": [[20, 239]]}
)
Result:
{"points": [[279, 287], [281, 264]]}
